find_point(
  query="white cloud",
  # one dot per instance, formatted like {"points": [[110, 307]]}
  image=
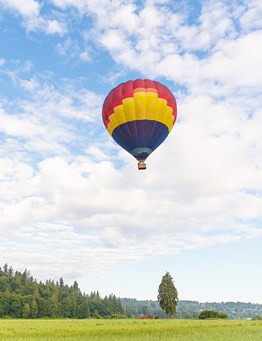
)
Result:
{"points": [[54, 26], [251, 17], [71, 50], [237, 62], [27, 8], [155, 41], [84, 56], [26, 133], [43, 122], [29, 84], [91, 206], [113, 40]]}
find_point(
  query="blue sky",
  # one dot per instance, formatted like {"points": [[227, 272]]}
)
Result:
{"points": [[73, 204]]}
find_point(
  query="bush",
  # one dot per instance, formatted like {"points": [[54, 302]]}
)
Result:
{"points": [[257, 317], [221, 315], [212, 314]]}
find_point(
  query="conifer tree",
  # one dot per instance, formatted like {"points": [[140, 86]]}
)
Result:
{"points": [[167, 295], [61, 282], [5, 268]]}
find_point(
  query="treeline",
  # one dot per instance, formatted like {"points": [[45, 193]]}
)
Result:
{"points": [[192, 309], [134, 307], [234, 310], [21, 296]]}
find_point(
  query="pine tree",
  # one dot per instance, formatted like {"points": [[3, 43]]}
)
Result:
{"points": [[10, 272], [61, 282], [5, 268], [167, 295], [75, 285], [24, 277]]}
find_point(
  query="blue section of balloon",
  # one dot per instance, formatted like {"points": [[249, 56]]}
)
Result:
{"points": [[140, 138]]}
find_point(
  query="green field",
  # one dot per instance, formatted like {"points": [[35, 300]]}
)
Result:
{"points": [[130, 329]]}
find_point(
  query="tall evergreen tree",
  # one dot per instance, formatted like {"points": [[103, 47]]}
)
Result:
{"points": [[5, 268], [61, 282], [10, 272], [167, 295], [24, 277], [75, 285]]}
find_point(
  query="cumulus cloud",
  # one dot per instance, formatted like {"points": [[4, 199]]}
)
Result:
{"points": [[91, 213], [157, 41], [250, 15], [27, 8], [30, 11], [54, 26], [43, 122]]}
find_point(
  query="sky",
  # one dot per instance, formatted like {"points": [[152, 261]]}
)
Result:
{"points": [[72, 202]]}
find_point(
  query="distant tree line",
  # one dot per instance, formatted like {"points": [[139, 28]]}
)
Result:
{"points": [[21, 296], [192, 309]]}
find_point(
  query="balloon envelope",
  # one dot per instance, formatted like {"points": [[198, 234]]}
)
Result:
{"points": [[139, 115]]}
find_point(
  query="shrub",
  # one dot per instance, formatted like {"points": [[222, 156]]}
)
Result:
{"points": [[212, 314]]}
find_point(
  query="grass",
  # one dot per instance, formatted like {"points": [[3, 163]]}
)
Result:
{"points": [[130, 329]]}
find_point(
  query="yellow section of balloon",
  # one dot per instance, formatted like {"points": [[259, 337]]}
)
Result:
{"points": [[143, 106]]}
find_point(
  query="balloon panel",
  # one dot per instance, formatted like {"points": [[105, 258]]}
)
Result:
{"points": [[140, 138]]}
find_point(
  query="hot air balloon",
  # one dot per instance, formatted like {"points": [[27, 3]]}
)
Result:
{"points": [[139, 115]]}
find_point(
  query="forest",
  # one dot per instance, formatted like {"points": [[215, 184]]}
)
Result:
{"points": [[22, 296]]}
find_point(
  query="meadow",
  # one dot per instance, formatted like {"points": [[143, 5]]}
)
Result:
{"points": [[130, 329]]}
